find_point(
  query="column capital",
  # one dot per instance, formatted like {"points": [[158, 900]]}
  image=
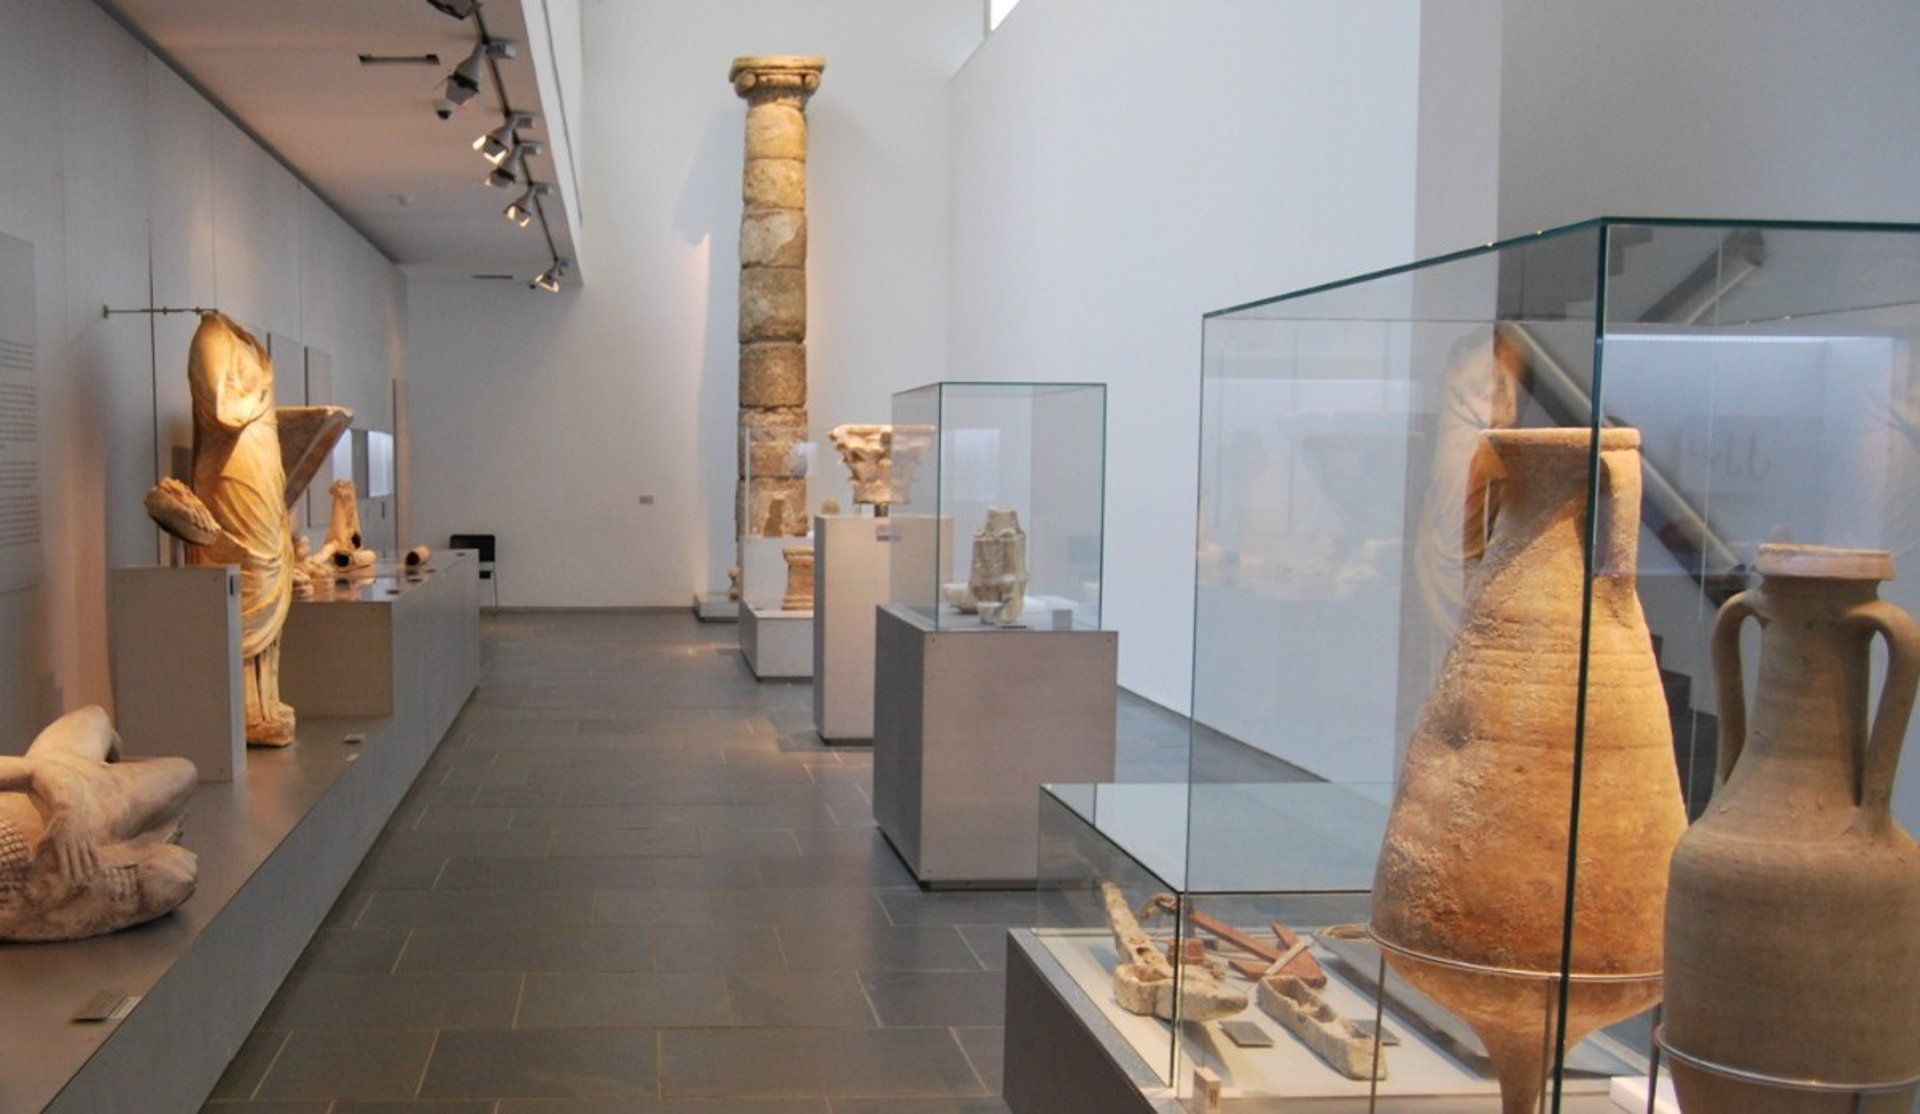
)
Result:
{"points": [[776, 73]]}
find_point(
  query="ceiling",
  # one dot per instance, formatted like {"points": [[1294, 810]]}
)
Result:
{"points": [[366, 137]]}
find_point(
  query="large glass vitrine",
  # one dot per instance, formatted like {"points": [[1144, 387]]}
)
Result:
{"points": [[1541, 698]]}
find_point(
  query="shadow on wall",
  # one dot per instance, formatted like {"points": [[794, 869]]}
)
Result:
{"points": [[701, 210]]}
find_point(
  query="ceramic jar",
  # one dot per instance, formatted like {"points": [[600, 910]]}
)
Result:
{"points": [[1470, 893], [1793, 919]]}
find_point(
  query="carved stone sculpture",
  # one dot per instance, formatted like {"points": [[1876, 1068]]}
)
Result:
{"points": [[251, 460], [1349, 1049], [1469, 895], [1144, 981], [342, 550], [799, 595], [867, 451], [89, 843], [959, 597], [998, 580], [1793, 916], [773, 291]]}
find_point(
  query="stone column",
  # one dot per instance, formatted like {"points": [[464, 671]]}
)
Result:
{"points": [[773, 295]]}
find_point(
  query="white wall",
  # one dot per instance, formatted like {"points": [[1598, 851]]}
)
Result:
{"points": [[544, 419], [1769, 108], [1121, 167], [126, 182]]}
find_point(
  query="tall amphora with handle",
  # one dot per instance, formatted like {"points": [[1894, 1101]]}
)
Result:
{"points": [[1793, 915]]}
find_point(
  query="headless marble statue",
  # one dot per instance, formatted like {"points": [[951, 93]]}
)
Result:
{"points": [[88, 843], [250, 461], [998, 580]]}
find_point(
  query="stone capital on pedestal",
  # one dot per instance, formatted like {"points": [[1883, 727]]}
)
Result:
{"points": [[776, 73]]}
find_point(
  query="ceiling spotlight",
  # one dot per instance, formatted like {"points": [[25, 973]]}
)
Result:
{"points": [[458, 9], [463, 84], [512, 168], [500, 142], [549, 279], [525, 207]]}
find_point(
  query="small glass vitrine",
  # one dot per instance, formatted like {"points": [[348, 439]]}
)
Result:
{"points": [[998, 513]]}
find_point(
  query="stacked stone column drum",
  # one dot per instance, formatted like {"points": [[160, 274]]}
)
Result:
{"points": [[773, 292]]}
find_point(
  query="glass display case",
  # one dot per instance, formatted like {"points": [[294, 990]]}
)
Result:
{"points": [[998, 504], [1510, 563]]}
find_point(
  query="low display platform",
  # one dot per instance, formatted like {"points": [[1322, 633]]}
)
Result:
{"points": [[777, 644], [1244, 856], [276, 847]]}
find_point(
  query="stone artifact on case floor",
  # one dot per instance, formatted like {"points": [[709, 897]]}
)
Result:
{"points": [[342, 550], [997, 583], [1793, 913], [1144, 982], [88, 842], [1469, 894], [251, 460]]}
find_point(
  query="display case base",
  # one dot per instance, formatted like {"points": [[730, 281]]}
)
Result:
{"points": [[276, 848], [968, 725], [778, 645], [1062, 1054], [715, 607], [852, 576]]}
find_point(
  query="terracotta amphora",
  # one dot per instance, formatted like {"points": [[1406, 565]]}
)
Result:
{"points": [[1469, 896], [1793, 920]]}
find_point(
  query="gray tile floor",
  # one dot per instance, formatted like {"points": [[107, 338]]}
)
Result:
{"points": [[633, 878]]}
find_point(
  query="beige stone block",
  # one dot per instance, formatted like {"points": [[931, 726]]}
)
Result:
{"points": [[773, 374], [773, 238], [774, 184], [776, 130], [773, 304], [791, 491]]}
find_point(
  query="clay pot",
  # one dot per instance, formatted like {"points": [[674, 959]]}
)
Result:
{"points": [[1469, 896], [1793, 922]]}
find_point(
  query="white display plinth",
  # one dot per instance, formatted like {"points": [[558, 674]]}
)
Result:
{"points": [[968, 724], [778, 645], [715, 607], [763, 570], [851, 578], [175, 636]]}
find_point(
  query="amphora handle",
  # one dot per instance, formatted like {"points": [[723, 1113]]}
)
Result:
{"points": [[1485, 473], [1730, 682], [1890, 720]]}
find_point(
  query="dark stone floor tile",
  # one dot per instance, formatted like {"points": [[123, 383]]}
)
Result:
{"points": [[764, 842], [729, 947], [794, 999], [543, 1063], [974, 998], [623, 1001], [689, 873], [988, 1105], [451, 1106], [545, 948], [664, 1106], [642, 842], [442, 818], [771, 1062], [353, 950], [567, 872], [986, 1047], [271, 1106], [318, 1000], [653, 907], [874, 947], [478, 908], [249, 1065], [347, 1064], [914, 906], [819, 909], [989, 944]]}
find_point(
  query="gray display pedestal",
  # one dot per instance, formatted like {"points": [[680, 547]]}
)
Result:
{"points": [[967, 725], [1062, 1055], [275, 848], [777, 644], [851, 575], [175, 637]]}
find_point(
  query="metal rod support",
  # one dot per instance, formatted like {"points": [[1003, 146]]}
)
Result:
{"points": [[109, 311]]}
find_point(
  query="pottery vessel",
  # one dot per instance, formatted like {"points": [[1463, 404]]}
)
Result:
{"points": [[1469, 896], [1793, 916]]}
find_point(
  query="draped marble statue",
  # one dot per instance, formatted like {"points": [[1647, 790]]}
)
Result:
{"points": [[89, 843], [251, 460]]}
